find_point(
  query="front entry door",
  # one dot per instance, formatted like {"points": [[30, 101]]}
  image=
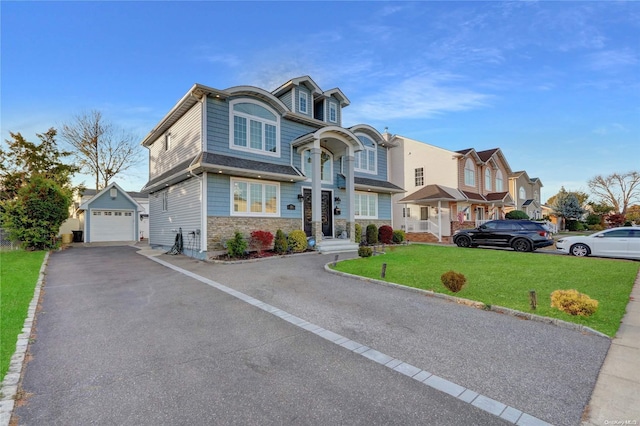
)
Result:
{"points": [[326, 214]]}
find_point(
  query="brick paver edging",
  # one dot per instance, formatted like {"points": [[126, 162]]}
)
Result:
{"points": [[9, 387]]}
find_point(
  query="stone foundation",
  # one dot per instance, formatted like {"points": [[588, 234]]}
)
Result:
{"points": [[222, 228]]}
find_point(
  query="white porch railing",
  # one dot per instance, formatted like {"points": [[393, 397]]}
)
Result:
{"points": [[414, 225]]}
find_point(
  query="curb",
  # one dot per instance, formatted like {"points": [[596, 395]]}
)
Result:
{"points": [[9, 387], [475, 304]]}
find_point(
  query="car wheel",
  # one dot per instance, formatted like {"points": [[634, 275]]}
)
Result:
{"points": [[580, 250], [463, 241], [521, 245]]}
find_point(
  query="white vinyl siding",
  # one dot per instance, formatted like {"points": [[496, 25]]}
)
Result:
{"points": [[182, 141], [254, 198], [183, 211]]}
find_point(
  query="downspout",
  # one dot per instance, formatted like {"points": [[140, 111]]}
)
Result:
{"points": [[203, 179]]}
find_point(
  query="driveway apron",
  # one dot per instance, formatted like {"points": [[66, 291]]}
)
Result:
{"points": [[121, 339]]}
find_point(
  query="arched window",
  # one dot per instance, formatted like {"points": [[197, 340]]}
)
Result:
{"points": [[366, 160], [499, 181], [522, 194], [487, 179], [254, 128], [326, 165], [469, 173]]}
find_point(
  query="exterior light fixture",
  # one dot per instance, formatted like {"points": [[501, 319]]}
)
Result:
{"points": [[300, 197]]}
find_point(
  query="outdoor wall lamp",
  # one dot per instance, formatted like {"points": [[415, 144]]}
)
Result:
{"points": [[337, 200], [300, 197]]}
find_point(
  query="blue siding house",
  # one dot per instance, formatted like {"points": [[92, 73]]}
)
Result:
{"points": [[246, 159]]}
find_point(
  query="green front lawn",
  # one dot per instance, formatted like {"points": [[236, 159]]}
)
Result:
{"points": [[504, 278], [18, 277]]}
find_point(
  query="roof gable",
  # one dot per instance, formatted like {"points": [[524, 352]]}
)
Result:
{"points": [[87, 204]]}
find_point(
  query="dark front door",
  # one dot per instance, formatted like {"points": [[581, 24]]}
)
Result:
{"points": [[326, 214]]}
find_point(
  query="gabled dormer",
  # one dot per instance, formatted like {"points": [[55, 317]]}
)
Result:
{"points": [[303, 96]]}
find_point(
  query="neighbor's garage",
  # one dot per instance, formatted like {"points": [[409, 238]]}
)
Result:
{"points": [[112, 225]]}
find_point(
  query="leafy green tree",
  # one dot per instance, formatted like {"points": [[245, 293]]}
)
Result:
{"points": [[22, 159], [633, 213], [35, 214], [567, 205], [582, 197]]}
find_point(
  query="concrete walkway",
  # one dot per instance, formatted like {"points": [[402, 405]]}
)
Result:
{"points": [[616, 396]]}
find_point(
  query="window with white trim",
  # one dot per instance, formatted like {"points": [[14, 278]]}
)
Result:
{"points": [[366, 160], [419, 176], [487, 179], [469, 173], [522, 193], [303, 102], [254, 198], [326, 165], [499, 181], [536, 196], [165, 201], [254, 128], [333, 112], [366, 205]]}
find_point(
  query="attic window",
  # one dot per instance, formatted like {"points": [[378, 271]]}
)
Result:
{"points": [[303, 101], [333, 112], [113, 193]]}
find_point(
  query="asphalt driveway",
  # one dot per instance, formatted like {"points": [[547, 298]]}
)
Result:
{"points": [[121, 339]]}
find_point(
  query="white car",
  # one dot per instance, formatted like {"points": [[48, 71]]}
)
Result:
{"points": [[615, 242]]}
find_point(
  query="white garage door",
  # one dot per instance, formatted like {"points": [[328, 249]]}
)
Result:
{"points": [[112, 225]]}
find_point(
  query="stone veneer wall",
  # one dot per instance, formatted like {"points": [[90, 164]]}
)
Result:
{"points": [[223, 228]]}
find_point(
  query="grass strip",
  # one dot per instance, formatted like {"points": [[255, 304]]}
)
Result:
{"points": [[504, 278], [19, 272]]}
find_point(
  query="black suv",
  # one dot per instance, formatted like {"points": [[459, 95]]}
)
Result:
{"points": [[521, 235]]}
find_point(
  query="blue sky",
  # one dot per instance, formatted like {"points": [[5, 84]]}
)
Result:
{"points": [[555, 85]]}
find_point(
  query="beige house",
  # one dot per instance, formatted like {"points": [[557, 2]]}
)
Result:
{"points": [[451, 190]]}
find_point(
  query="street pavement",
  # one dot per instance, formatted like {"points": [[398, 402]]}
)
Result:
{"points": [[123, 339]]}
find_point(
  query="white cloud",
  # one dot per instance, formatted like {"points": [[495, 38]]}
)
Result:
{"points": [[612, 59]]}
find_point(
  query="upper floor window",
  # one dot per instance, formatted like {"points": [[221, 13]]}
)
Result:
{"points": [[419, 176], [254, 198], [487, 179], [167, 141], [536, 196], [365, 205], [326, 165], [469, 173], [366, 160], [499, 181], [333, 112], [303, 101], [165, 201], [522, 193], [254, 128]]}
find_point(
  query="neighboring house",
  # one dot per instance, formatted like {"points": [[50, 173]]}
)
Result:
{"points": [[246, 159], [111, 214], [451, 189], [526, 194]]}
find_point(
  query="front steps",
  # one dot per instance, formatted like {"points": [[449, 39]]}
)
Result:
{"points": [[336, 245]]}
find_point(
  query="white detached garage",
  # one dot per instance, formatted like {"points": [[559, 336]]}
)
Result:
{"points": [[111, 215]]}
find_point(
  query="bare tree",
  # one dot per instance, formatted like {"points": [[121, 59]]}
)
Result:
{"points": [[618, 189], [100, 148]]}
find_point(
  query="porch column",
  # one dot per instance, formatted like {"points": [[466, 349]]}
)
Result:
{"points": [[439, 221], [316, 191], [351, 203]]}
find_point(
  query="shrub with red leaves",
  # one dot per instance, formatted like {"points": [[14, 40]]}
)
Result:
{"points": [[385, 234], [261, 240]]}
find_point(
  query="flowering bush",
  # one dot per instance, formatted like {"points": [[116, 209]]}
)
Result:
{"points": [[261, 240]]}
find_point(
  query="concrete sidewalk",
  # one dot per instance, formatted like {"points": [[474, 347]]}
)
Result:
{"points": [[616, 396]]}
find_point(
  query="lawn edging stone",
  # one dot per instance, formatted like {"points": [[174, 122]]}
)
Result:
{"points": [[474, 304]]}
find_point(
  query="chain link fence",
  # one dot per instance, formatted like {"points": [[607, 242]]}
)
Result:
{"points": [[5, 241]]}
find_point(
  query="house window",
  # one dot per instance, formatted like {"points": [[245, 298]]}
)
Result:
{"points": [[536, 196], [469, 173], [487, 179], [365, 205], [167, 141], [107, 213], [406, 212], [117, 213], [254, 198], [254, 128], [522, 194], [95, 213], [499, 181], [365, 160], [419, 176], [333, 112], [165, 201], [303, 100], [127, 213], [326, 165]]}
